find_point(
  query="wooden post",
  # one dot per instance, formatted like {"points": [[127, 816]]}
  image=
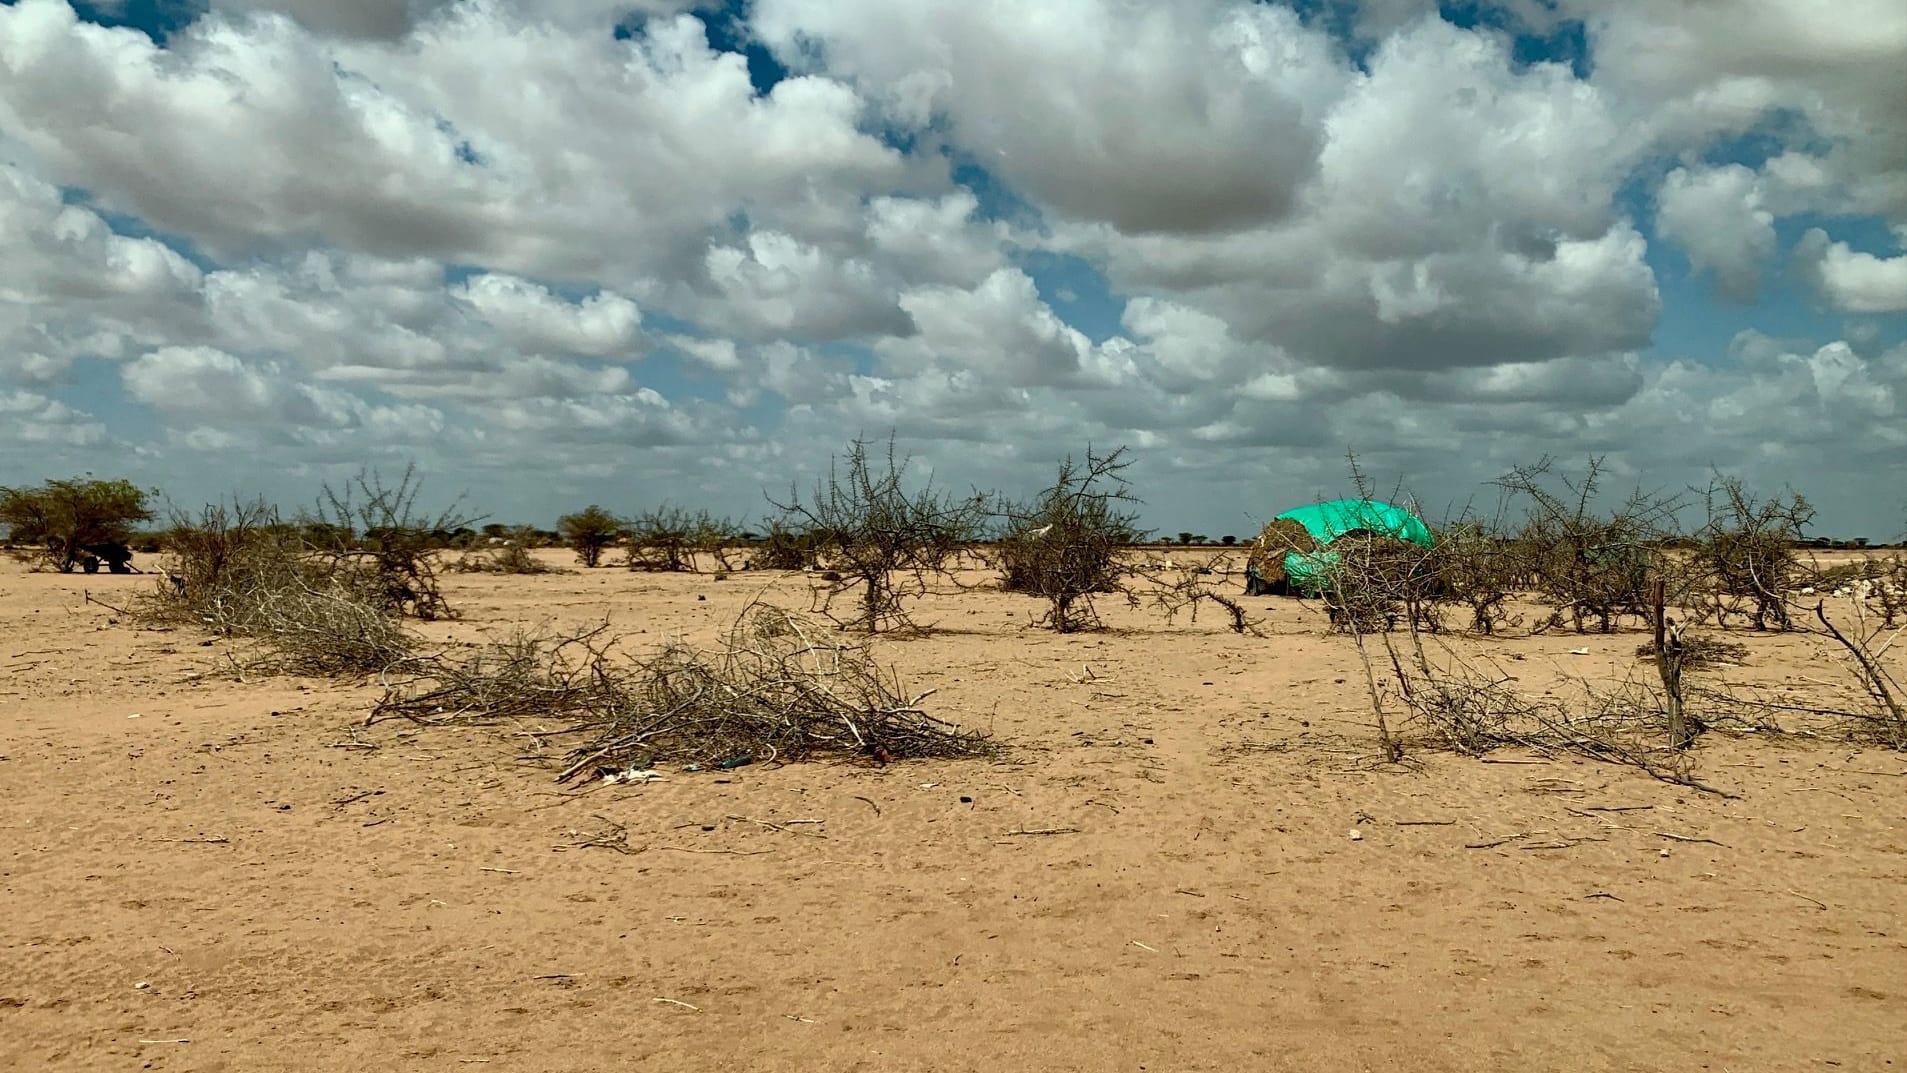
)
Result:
{"points": [[1668, 664]]}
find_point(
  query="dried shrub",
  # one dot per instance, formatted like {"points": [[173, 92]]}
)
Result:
{"points": [[1743, 560], [1451, 703], [770, 691], [1882, 715], [369, 523], [1479, 569], [1702, 652], [513, 557], [239, 572], [717, 538], [1064, 545], [662, 540], [881, 541], [1372, 582], [1589, 566], [787, 548], [1193, 585]]}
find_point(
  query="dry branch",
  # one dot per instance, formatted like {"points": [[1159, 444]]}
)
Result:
{"points": [[770, 691]]}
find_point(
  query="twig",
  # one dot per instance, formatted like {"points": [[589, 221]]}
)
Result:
{"points": [[870, 803], [780, 826], [1823, 905], [615, 837], [91, 599], [678, 1002], [216, 840], [731, 852], [1686, 838], [1046, 831], [1562, 843], [1425, 823], [1498, 842], [505, 871]]}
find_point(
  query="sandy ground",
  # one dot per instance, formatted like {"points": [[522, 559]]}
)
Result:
{"points": [[198, 873]]}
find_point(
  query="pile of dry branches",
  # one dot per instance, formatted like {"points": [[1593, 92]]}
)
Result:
{"points": [[772, 690], [1452, 703], [239, 572], [1699, 652]]}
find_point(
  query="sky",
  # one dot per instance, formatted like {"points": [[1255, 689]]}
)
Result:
{"points": [[631, 252]]}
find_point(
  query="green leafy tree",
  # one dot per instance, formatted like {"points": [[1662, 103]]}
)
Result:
{"points": [[589, 532], [78, 521]]}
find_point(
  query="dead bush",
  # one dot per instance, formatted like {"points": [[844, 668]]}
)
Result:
{"points": [[770, 691], [1478, 568], [1743, 559], [662, 540], [716, 538], [512, 557], [1702, 652], [787, 548], [1371, 583], [1064, 545], [1451, 703], [1190, 586], [882, 541], [1588, 566], [368, 522], [239, 572]]}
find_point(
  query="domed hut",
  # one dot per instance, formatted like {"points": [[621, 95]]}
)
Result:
{"points": [[1293, 553]]}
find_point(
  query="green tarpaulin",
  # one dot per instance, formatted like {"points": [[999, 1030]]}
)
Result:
{"points": [[1332, 519]]}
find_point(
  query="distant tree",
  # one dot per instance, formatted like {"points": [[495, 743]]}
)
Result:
{"points": [[1186, 538], [69, 518], [589, 532], [1228, 540]]}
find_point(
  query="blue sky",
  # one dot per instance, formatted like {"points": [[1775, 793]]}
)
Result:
{"points": [[632, 252]]}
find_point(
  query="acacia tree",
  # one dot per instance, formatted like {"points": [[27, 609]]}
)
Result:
{"points": [[589, 532], [77, 521], [879, 537]]}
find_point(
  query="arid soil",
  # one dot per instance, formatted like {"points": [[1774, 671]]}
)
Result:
{"points": [[205, 873]]}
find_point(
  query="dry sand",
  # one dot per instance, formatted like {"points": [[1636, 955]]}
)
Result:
{"points": [[198, 873]]}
